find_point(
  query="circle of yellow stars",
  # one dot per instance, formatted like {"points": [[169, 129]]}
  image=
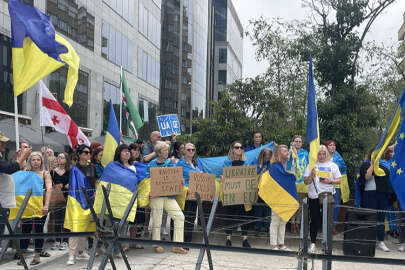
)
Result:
{"points": [[394, 164]]}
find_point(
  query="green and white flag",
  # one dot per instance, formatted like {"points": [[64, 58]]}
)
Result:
{"points": [[131, 113]]}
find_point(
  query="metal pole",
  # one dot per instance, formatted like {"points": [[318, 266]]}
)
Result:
{"points": [[303, 252], [17, 129], [205, 233], [327, 225], [121, 100], [209, 225]]}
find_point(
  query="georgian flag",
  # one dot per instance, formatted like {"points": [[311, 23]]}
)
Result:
{"points": [[53, 115]]}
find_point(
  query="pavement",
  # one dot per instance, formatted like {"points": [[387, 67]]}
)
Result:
{"points": [[146, 259]]}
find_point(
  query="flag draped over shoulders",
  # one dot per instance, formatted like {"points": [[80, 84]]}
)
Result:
{"points": [[143, 184], [277, 188], [78, 217], [37, 50], [23, 181], [344, 183], [124, 183]]}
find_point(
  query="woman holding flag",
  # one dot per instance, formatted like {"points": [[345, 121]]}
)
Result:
{"points": [[321, 180], [35, 164], [168, 203]]}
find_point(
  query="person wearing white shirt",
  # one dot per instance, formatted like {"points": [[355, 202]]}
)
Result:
{"points": [[320, 180]]}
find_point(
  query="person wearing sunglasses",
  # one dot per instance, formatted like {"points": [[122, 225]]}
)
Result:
{"points": [[234, 213]]}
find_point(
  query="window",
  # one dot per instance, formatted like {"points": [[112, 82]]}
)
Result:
{"points": [[148, 68], [149, 26], [123, 7], [222, 77], [148, 113], [222, 55]]}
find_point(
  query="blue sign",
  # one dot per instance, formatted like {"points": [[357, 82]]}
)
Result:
{"points": [[168, 124]]}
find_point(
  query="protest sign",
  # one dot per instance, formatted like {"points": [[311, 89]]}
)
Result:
{"points": [[240, 185], [166, 181], [203, 184], [168, 124]]}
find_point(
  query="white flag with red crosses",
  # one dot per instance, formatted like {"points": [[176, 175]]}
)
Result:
{"points": [[53, 115]]}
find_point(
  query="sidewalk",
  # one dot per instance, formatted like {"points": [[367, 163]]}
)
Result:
{"points": [[148, 260]]}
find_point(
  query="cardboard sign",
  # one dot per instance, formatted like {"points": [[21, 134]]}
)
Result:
{"points": [[240, 186], [166, 181], [168, 124], [203, 184]]}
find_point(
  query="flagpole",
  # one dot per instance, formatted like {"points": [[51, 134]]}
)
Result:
{"points": [[121, 101], [17, 129]]}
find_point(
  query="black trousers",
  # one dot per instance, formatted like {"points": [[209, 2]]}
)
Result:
{"points": [[26, 228], [235, 214], [59, 220], [315, 215]]}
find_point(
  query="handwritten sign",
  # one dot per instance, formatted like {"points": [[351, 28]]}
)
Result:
{"points": [[240, 186], [168, 124], [203, 184], [166, 181]]}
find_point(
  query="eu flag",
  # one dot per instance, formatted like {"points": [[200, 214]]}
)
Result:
{"points": [[313, 138], [37, 50], [397, 168]]}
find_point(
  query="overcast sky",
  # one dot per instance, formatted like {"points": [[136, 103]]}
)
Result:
{"points": [[384, 29]]}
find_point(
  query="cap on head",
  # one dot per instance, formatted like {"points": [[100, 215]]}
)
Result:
{"points": [[3, 138]]}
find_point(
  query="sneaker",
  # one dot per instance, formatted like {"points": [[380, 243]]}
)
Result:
{"points": [[82, 256], [274, 247], [401, 247], [284, 248], [383, 247], [228, 243], [312, 248], [71, 260], [55, 246], [246, 244], [63, 246]]}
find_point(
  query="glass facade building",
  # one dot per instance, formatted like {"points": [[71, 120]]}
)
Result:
{"points": [[183, 59]]}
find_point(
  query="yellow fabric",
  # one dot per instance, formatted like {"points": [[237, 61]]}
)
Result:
{"points": [[110, 144], [181, 198], [119, 198], [302, 188], [344, 189], [376, 155], [73, 61], [30, 65], [313, 151], [280, 201], [77, 219], [33, 209], [143, 192]]}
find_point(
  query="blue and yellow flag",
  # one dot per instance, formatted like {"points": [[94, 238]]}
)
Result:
{"points": [[397, 168], [23, 181], [301, 164], [277, 189], [112, 138], [313, 137], [124, 183], [78, 217], [344, 183], [37, 50], [388, 134]]}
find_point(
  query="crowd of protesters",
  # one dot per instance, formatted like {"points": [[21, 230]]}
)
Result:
{"points": [[320, 182]]}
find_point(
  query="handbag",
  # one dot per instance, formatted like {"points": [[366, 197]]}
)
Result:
{"points": [[323, 195], [57, 197]]}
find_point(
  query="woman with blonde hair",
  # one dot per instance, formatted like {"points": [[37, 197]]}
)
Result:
{"points": [[321, 180], [236, 157], [35, 164]]}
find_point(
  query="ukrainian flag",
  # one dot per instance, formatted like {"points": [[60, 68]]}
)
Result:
{"points": [[37, 50], [344, 183], [124, 183], [389, 133], [23, 181], [112, 138], [78, 216], [313, 140], [277, 189]]}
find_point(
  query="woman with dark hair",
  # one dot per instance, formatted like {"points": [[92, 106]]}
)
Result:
{"points": [[236, 157], [136, 151], [375, 191], [60, 177], [96, 160], [178, 152], [257, 141]]}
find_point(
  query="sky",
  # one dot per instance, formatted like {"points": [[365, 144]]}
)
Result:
{"points": [[384, 29]]}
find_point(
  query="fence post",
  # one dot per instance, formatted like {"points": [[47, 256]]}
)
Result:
{"points": [[303, 250], [327, 226]]}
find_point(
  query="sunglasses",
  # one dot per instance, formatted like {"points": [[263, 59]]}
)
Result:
{"points": [[191, 149], [238, 147], [86, 152]]}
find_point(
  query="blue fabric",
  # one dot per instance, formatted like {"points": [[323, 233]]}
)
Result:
{"points": [[337, 199], [250, 147], [112, 126], [391, 217], [303, 161], [117, 173], [337, 158], [141, 169], [379, 201], [187, 168], [99, 170], [78, 180], [284, 179], [214, 165], [25, 180], [153, 163], [312, 114], [262, 169], [29, 21]]}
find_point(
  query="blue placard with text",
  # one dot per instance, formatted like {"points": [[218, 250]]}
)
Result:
{"points": [[168, 124]]}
